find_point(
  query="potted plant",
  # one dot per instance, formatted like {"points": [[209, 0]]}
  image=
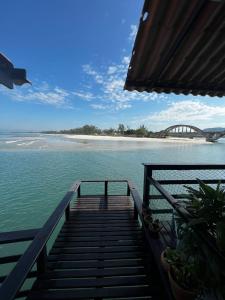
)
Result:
{"points": [[184, 282], [207, 207], [183, 275]]}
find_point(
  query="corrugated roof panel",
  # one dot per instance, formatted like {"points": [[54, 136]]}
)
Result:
{"points": [[179, 48]]}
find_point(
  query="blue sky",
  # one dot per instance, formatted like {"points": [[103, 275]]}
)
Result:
{"points": [[76, 54]]}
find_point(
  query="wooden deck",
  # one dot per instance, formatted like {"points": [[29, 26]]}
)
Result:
{"points": [[104, 249], [99, 253]]}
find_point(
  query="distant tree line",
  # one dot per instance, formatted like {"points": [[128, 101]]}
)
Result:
{"points": [[121, 130]]}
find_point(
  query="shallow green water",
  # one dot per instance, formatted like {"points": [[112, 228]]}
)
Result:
{"points": [[36, 171]]}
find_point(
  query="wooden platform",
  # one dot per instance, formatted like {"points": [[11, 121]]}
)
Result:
{"points": [[99, 253]]}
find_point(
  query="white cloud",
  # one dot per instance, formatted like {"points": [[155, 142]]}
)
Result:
{"points": [[111, 107], [110, 83], [41, 93], [111, 70], [100, 106], [189, 112], [45, 94], [83, 95], [133, 32], [88, 70]]}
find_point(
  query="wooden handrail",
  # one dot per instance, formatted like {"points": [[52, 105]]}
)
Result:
{"points": [[136, 197], [16, 278], [18, 236], [190, 181], [173, 202], [104, 180], [184, 166]]}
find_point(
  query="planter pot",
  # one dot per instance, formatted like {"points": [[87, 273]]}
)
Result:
{"points": [[178, 292], [164, 263]]}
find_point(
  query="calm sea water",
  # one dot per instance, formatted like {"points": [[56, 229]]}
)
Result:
{"points": [[36, 170]]}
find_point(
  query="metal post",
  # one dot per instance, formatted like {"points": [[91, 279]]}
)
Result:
{"points": [[128, 190], [106, 188], [146, 191], [42, 261], [67, 212], [78, 192], [135, 213]]}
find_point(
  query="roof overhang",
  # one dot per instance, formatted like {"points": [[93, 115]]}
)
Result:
{"points": [[179, 48]]}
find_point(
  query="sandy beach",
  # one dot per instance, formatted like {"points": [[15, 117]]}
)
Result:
{"points": [[135, 139]]}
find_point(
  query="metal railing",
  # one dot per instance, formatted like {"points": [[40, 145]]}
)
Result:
{"points": [[183, 172]]}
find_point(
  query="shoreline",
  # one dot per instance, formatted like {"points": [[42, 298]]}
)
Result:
{"points": [[133, 139]]}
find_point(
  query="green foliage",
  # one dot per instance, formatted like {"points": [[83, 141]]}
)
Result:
{"points": [[109, 131], [121, 129], [142, 131], [207, 205], [86, 129], [183, 269]]}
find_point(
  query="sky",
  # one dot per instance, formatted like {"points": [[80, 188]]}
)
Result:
{"points": [[76, 54]]}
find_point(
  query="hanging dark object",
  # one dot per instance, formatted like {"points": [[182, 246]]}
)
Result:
{"points": [[10, 75]]}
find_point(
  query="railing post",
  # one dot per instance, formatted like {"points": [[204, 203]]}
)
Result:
{"points": [[67, 212], [42, 261], [106, 188], [135, 212], [128, 189], [78, 192], [146, 190]]}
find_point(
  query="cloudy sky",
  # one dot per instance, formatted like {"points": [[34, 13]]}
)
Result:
{"points": [[76, 54]]}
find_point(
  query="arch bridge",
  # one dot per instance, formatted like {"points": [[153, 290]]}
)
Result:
{"points": [[190, 131]]}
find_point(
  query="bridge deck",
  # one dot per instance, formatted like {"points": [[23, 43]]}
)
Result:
{"points": [[99, 253]]}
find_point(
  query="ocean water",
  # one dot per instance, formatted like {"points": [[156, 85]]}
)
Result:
{"points": [[36, 169]]}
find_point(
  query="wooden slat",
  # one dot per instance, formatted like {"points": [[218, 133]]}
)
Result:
{"points": [[97, 222], [99, 238], [99, 234], [59, 244], [76, 250], [96, 264], [93, 256], [94, 273], [91, 282], [84, 233], [105, 292], [97, 226]]}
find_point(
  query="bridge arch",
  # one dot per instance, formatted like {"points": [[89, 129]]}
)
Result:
{"points": [[190, 131], [191, 127]]}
